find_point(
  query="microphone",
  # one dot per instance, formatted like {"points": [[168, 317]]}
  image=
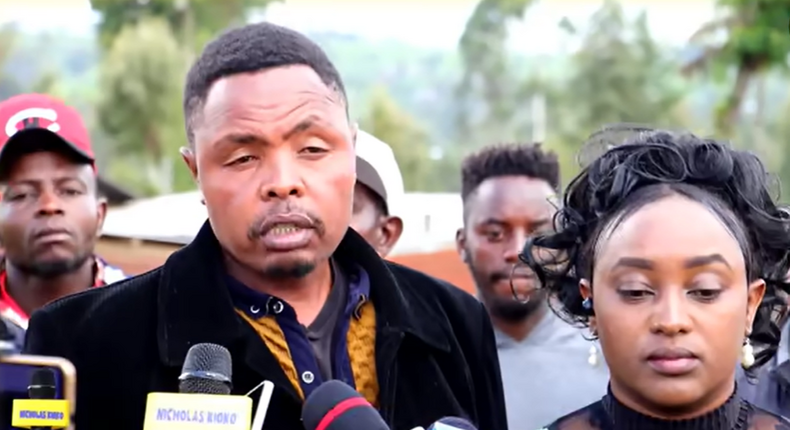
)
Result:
{"points": [[336, 406], [203, 399], [452, 423], [207, 370], [42, 411], [42, 385]]}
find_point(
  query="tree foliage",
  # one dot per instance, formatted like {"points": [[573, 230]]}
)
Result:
{"points": [[619, 74], [387, 121], [755, 41], [8, 85], [48, 83], [194, 21], [139, 109], [486, 88]]}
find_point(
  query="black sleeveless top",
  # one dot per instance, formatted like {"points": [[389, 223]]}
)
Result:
{"points": [[610, 414]]}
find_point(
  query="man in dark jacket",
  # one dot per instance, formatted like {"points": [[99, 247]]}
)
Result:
{"points": [[276, 275]]}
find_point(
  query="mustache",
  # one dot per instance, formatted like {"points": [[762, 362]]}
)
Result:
{"points": [[261, 223], [499, 276], [509, 275]]}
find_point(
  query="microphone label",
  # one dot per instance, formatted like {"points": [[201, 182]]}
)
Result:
{"points": [[171, 411], [28, 413]]}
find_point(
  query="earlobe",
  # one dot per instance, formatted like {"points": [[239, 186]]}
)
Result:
{"points": [[391, 230], [585, 289], [460, 244]]}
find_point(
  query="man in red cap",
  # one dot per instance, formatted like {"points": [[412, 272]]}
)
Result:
{"points": [[50, 212]]}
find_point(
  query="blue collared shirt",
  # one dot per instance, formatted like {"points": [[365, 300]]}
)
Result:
{"points": [[256, 306]]}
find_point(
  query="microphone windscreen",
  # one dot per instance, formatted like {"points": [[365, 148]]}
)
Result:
{"points": [[452, 423], [336, 406], [42, 384], [207, 370], [43, 377]]}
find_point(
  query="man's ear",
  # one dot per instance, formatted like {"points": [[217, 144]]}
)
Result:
{"points": [[460, 244], [188, 154], [391, 229], [101, 214], [354, 131]]}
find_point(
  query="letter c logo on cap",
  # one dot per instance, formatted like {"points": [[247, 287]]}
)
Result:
{"points": [[47, 114]]}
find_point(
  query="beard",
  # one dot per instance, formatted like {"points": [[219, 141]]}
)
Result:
{"points": [[295, 270], [53, 268], [505, 308], [512, 310]]}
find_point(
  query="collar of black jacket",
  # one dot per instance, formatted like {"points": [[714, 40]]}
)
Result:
{"points": [[194, 305]]}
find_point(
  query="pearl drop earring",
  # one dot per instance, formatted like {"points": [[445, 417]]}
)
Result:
{"points": [[592, 359], [747, 354]]}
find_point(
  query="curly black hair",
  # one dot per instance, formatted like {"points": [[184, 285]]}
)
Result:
{"points": [[650, 165], [253, 48], [514, 159]]}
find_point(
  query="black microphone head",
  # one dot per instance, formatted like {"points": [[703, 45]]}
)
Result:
{"points": [[206, 370], [452, 423], [42, 384], [336, 406]]}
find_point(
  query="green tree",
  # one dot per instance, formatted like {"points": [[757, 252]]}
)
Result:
{"points": [[756, 41], [8, 34], [139, 108], [48, 83], [618, 75], [387, 121], [194, 21], [485, 94]]}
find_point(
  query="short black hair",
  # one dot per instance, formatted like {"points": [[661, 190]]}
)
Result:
{"points": [[249, 49], [652, 165], [513, 159]]}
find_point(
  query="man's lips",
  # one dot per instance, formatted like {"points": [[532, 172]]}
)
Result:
{"points": [[523, 282], [51, 235]]}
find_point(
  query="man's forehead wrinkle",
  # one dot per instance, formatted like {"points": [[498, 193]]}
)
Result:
{"points": [[288, 106]]}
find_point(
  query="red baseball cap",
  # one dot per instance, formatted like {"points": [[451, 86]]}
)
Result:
{"points": [[37, 122]]}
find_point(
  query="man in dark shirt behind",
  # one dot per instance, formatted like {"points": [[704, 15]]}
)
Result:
{"points": [[272, 151]]}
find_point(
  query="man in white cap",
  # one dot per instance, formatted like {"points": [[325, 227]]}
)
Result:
{"points": [[377, 193]]}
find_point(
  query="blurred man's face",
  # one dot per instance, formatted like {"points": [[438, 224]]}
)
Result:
{"points": [[500, 215], [372, 223], [274, 158], [50, 216]]}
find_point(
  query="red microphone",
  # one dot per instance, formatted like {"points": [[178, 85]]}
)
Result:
{"points": [[336, 406]]}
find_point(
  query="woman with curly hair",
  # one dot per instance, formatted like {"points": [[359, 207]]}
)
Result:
{"points": [[671, 249]]}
